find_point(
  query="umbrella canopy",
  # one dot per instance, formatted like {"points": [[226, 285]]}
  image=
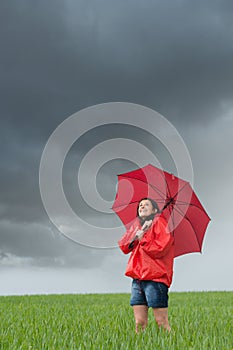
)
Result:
{"points": [[179, 205]]}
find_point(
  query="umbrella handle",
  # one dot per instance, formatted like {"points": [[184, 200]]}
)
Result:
{"points": [[136, 237], [145, 228], [131, 244]]}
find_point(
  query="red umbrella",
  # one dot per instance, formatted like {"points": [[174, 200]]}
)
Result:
{"points": [[179, 205]]}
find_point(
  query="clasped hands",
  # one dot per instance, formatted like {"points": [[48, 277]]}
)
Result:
{"points": [[145, 227]]}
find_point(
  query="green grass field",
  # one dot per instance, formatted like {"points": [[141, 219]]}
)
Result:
{"points": [[105, 321]]}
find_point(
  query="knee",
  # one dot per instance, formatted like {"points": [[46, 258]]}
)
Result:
{"points": [[141, 322], [160, 320]]}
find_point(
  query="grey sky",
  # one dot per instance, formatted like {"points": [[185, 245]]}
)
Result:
{"points": [[59, 57]]}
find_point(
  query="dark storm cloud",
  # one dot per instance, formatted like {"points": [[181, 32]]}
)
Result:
{"points": [[58, 57], [42, 245]]}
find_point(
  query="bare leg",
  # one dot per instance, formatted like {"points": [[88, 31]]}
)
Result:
{"points": [[161, 318], [141, 317]]}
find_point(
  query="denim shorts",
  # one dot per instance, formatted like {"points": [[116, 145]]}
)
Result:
{"points": [[150, 293]]}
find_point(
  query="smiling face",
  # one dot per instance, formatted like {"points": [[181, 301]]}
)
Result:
{"points": [[146, 208]]}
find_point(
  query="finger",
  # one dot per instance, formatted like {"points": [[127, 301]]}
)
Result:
{"points": [[145, 226]]}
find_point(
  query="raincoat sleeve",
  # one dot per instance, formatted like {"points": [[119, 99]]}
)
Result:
{"points": [[126, 239], [158, 241]]}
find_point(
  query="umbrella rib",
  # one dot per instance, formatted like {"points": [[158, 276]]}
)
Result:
{"points": [[179, 202], [160, 193], [172, 216], [182, 202], [157, 190], [189, 204], [184, 216], [168, 189]]}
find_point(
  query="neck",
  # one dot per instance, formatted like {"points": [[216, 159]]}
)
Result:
{"points": [[149, 217]]}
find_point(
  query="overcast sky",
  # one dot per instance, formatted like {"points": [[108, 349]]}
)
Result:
{"points": [[59, 57]]}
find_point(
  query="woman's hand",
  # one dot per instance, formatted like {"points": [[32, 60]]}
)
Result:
{"points": [[139, 234], [146, 225]]}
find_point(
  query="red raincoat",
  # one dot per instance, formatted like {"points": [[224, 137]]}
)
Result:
{"points": [[152, 257]]}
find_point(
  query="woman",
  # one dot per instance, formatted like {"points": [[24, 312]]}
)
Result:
{"points": [[150, 264]]}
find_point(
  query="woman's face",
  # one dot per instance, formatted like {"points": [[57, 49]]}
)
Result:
{"points": [[145, 208]]}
